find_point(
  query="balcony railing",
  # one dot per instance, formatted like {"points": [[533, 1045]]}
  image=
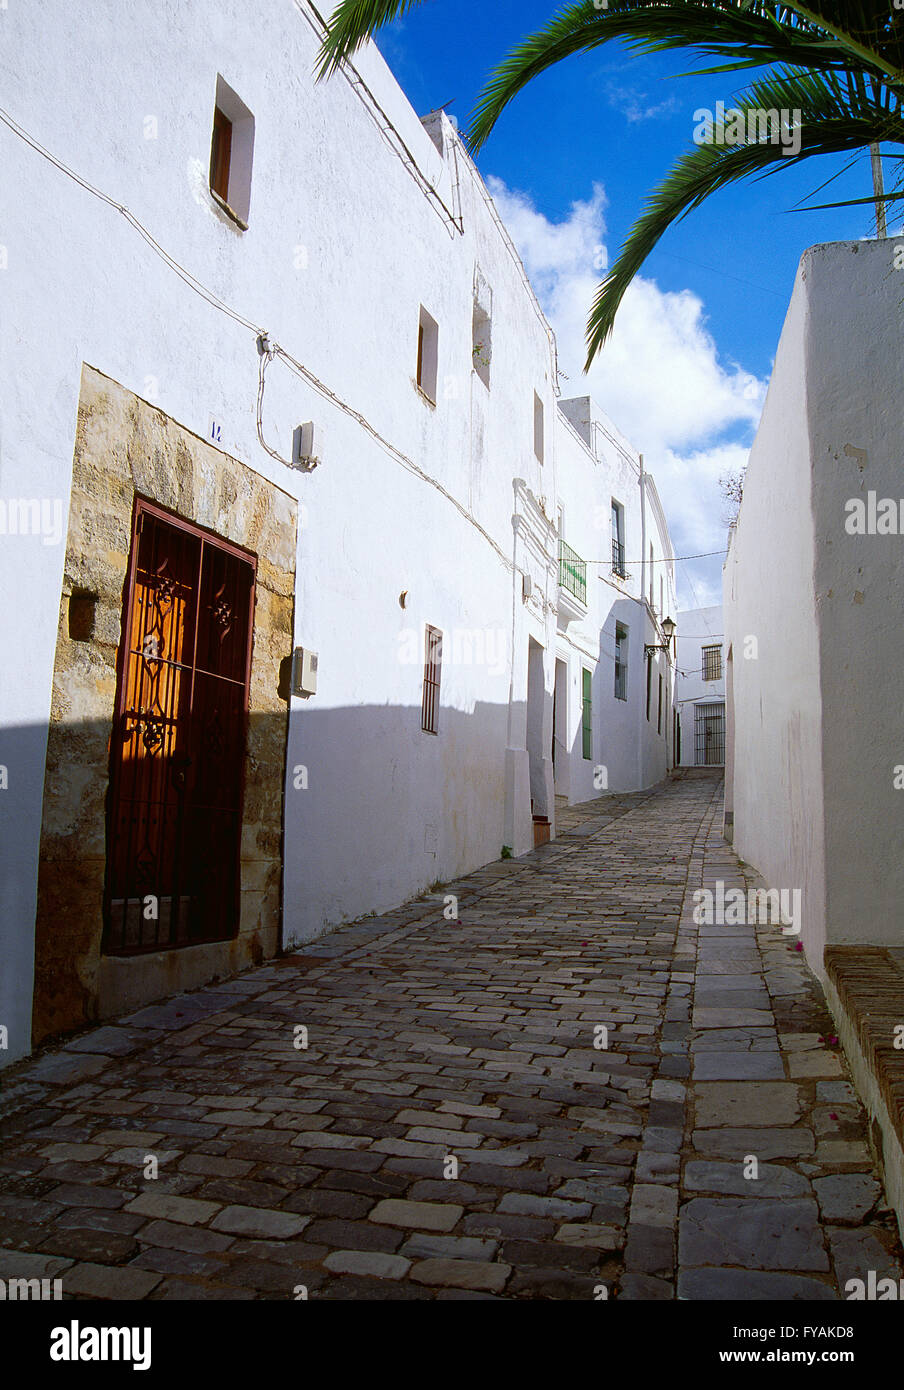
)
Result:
{"points": [[572, 572], [618, 559]]}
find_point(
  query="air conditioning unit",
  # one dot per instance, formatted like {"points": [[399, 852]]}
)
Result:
{"points": [[304, 672]]}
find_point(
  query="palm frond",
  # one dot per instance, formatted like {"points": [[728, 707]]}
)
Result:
{"points": [[352, 22], [851, 202], [837, 114], [746, 34]]}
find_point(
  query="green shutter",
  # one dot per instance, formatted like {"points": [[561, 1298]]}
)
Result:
{"points": [[587, 720]]}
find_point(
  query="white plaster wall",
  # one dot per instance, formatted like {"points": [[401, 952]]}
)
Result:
{"points": [[855, 402], [343, 246], [345, 242], [775, 719], [817, 726]]}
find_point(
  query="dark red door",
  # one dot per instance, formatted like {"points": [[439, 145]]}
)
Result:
{"points": [[177, 757]]}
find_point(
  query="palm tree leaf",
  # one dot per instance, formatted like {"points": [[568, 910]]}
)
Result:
{"points": [[850, 202], [753, 34], [352, 22], [836, 115], [746, 31]]}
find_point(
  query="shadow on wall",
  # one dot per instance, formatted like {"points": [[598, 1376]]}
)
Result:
{"points": [[187, 848]]}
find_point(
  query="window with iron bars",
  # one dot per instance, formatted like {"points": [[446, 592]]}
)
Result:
{"points": [[433, 661], [621, 662], [712, 663], [618, 540]]}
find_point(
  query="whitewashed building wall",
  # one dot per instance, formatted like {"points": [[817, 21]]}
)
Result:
{"points": [[811, 608], [360, 217]]}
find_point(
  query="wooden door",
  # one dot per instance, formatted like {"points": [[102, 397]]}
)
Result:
{"points": [[178, 746]]}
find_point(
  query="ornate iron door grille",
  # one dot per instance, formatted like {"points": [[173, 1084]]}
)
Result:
{"points": [[177, 753], [709, 735]]}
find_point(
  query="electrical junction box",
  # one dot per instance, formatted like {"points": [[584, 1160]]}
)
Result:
{"points": [[306, 446], [304, 672]]}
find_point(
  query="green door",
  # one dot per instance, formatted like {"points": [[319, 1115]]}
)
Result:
{"points": [[587, 716]]}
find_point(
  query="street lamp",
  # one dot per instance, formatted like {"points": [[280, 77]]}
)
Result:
{"points": [[668, 631]]}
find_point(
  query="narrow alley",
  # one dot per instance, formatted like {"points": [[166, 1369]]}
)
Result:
{"points": [[567, 1091]]}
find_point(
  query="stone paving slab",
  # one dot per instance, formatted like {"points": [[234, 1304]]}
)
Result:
{"points": [[573, 1086]]}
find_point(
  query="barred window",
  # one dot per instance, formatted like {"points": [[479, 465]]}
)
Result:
{"points": [[618, 540], [621, 662], [433, 661], [712, 663]]}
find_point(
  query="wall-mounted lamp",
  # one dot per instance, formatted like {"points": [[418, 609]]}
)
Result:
{"points": [[668, 626]]}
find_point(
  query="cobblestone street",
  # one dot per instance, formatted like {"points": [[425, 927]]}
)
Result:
{"points": [[437, 1044]]}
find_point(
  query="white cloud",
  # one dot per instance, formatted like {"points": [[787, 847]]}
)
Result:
{"points": [[634, 106], [659, 377]]}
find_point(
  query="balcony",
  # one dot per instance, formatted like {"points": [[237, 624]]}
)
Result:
{"points": [[618, 559], [572, 585]]}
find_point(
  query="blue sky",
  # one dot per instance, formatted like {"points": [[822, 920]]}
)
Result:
{"points": [[570, 164]]}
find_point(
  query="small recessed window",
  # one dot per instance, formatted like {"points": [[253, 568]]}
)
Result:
{"points": [[538, 427], [649, 679], [427, 354], [712, 663], [232, 153], [482, 329], [621, 662], [618, 540]]}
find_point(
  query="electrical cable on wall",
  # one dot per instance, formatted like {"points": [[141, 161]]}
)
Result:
{"points": [[274, 349], [267, 353], [261, 335]]}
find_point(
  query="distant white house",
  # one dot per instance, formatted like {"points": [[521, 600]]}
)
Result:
{"points": [[319, 593], [700, 687]]}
